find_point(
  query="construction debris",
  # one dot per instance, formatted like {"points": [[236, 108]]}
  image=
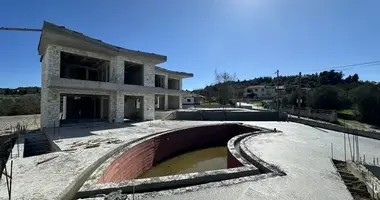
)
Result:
{"points": [[46, 160]]}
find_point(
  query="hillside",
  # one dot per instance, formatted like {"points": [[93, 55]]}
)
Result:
{"points": [[290, 82]]}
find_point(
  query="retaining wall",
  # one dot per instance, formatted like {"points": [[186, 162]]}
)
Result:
{"points": [[368, 134], [326, 115], [143, 156], [213, 115]]}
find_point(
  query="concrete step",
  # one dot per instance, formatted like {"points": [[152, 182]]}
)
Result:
{"points": [[362, 192], [350, 178], [36, 144]]}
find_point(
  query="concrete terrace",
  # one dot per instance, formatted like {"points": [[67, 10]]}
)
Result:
{"points": [[303, 152]]}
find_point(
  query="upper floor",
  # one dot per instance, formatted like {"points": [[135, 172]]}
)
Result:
{"points": [[71, 59]]}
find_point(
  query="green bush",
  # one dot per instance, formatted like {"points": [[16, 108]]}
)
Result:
{"points": [[20, 105], [367, 99], [329, 97]]}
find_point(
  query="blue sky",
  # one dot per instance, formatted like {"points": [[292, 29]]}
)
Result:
{"points": [[251, 38]]}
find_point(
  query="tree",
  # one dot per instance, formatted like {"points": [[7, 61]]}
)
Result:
{"points": [[225, 90], [329, 97], [367, 99], [292, 100], [355, 78]]}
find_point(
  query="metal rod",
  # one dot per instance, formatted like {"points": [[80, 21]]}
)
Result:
{"points": [[20, 29], [10, 180], [363, 158], [6, 177]]}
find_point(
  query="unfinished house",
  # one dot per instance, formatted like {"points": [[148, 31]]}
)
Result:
{"points": [[84, 79]]}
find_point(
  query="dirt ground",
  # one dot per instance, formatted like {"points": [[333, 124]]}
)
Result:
{"points": [[31, 121]]}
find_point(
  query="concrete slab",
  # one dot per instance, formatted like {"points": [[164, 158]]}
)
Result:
{"points": [[302, 151]]}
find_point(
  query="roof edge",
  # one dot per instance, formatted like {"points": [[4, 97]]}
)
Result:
{"points": [[50, 27], [184, 74]]}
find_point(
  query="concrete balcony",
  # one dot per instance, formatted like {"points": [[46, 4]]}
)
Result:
{"points": [[57, 82]]}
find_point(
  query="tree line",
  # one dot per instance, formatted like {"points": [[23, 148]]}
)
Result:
{"points": [[324, 90]]}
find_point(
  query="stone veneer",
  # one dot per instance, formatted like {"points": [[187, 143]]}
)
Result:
{"points": [[50, 97]]}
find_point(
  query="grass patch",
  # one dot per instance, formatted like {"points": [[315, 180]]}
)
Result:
{"points": [[347, 111], [210, 103], [357, 125]]}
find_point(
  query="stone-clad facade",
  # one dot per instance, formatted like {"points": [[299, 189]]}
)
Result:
{"points": [[53, 85]]}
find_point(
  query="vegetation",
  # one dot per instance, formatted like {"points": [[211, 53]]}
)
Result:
{"points": [[326, 90], [20, 101], [19, 104]]}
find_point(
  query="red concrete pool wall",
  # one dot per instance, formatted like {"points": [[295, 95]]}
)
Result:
{"points": [[232, 162], [145, 155]]}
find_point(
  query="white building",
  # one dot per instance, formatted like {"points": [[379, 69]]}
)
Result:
{"points": [[192, 99], [260, 92]]}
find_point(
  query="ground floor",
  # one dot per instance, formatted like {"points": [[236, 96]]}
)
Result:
{"points": [[74, 106]]}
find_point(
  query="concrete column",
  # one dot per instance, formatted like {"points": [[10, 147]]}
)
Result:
{"points": [[166, 81], [50, 99], [180, 102], [116, 111], [50, 113], [157, 102], [101, 107], [148, 107], [166, 102], [64, 107], [180, 83], [117, 70], [149, 75]]}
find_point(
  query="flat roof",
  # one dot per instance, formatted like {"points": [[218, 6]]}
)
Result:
{"points": [[183, 74], [54, 29]]}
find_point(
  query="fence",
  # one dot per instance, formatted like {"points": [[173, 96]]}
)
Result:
{"points": [[326, 115]]}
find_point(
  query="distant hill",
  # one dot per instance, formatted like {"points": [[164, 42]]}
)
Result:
{"points": [[290, 82], [20, 91]]}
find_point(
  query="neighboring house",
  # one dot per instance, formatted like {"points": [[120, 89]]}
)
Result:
{"points": [[193, 99], [86, 79], [260, 92], [281, 90]]}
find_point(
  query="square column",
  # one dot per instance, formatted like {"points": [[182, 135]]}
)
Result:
{"points": [[148, 107], [50, 114], [166, 81], [64, 107], [149, 75], [116, 114], [166, 102], [117, 70], [50, 98], [180, 102]]}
